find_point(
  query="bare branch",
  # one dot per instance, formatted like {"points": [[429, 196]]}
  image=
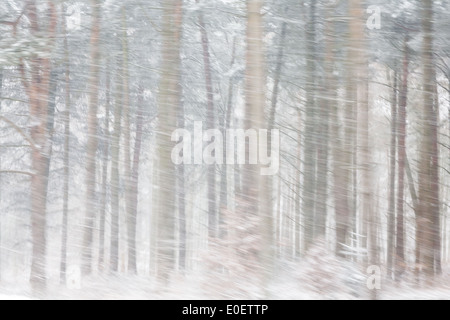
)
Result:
{"points": [[20, 131], [17, 172]]}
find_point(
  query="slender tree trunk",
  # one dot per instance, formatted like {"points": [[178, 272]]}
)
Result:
{"points": [[106, 152], [168, 101], [92, 143], [392, 175], [364, 150], [273, 109], [437, 238], [131, 209], [134, 185], [65, 219], [429, 197], [212, 206], [115, 176], [402, 132], [225, 126], [257, 193], [308, 205], [326, 101], [345, 152], [38, 91], [182, 201]]}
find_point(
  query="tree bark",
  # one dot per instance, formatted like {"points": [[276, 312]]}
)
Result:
{"points": [[131, 205], [392, 175], [326, 101], [134, 184], [310, 149], [257, 193], [38, 91], [212, 206], [225, 126], [115, 176], [429, 197], [106, 153], [168, 101], [402, 133], [92, 143], [65, 219]]}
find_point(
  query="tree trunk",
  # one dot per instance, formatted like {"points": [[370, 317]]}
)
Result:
{"points": [[344, 153], [326, 101], [273, 111], [308, 205], [134, 184], [38, 92], [257, 193], [106, 152], [182, 201], [225, 126], [212, 206], [115, 176], [402, 132], [168, 101], [65, 219], [92, 143], [429, 197], [131, 205], [392, 175]]}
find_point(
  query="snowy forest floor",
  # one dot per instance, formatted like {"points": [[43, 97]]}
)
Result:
{"points": [[318, 277], [140, 288]]}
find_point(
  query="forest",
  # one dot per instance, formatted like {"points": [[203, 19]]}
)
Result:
{"points": [[225, 149]]}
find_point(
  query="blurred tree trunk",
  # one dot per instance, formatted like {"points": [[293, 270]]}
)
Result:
{"points": [[131, 205], [66, 120], [181, 185], [134, 183], [392, 175], [310, 149], [402, 133], [369, 213], [92, 144], [344, 151], [211, 122], [272, 121], [225, 126], [115, 176], [257, 193], [168, 101], [429, 197], [327, 99], [106, 152], [38, 89]]}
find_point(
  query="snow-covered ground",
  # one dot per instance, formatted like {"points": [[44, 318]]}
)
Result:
{"points": [[305, 281]]}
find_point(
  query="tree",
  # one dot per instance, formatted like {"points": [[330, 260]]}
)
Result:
{"points": [[310, 150], [256, 191], [402, 133], [115, 175], [64, 237], [168, 100], [392, 175], [429, 195], [38, 90], [92, 144]]}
